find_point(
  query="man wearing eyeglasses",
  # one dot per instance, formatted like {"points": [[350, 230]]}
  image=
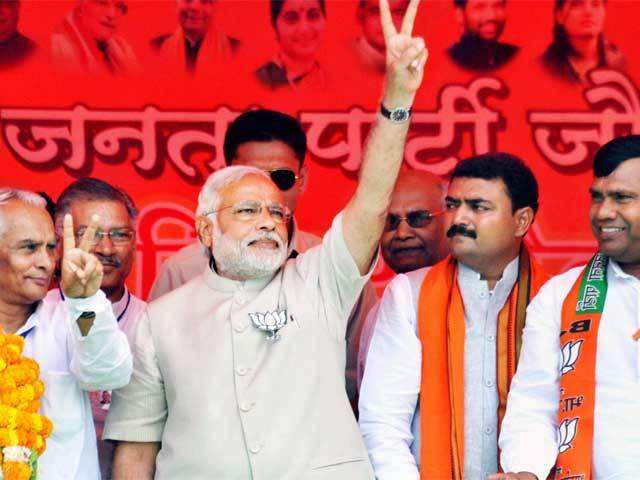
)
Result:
{"points": [[273, 142], [88, 40], [447, 338], [413, 237], [240, 372], [114, 245]]}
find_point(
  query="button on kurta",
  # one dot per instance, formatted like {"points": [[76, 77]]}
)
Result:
{"points": [[256, 448], [246, 406], [239, 327], [241, 371]]}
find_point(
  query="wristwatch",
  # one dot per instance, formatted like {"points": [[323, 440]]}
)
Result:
{"points": [[397, 115]]}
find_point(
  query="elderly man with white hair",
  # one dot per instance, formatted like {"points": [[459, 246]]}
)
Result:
{"points": [[76, 342], [239, 373]]}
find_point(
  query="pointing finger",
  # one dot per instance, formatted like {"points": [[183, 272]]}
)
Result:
{"points": [[409, 17], [68, 237]]}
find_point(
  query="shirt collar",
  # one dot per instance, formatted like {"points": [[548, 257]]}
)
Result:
{"points": [[120, 306], [32, 322], [614, 267], [508, 279]]}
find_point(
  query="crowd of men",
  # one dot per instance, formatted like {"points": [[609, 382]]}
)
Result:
{"points": [[249, 358]]}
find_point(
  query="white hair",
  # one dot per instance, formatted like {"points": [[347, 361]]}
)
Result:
{"points": [[30, 198], [209, 197]]}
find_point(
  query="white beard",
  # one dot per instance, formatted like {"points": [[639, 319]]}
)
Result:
{"points": [[236, 259]]}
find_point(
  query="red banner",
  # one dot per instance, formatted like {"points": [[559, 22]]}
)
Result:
{"points": [[130, 108]]}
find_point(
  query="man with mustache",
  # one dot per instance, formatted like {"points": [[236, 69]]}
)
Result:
{"points": [[447, 338], [114, 245], [413, 237], [253, 384], [72, 335], [482, 22], [573, 406], [198, 45], [87, 40]]}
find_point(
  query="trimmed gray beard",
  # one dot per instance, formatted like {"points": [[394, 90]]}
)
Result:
{"points": [[235, 258]]}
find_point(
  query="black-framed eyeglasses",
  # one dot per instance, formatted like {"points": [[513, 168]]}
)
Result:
{"points": [[415, 219], [283, 178]]}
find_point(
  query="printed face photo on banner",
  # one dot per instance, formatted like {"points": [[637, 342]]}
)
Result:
{"points": [[143, 92]]}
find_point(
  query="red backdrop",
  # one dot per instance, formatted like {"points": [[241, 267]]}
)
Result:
{"points": [[157, 134]]}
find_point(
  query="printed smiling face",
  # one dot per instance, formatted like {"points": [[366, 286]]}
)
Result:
{"points": [[483, 18], [100, 18], [300, 29]]}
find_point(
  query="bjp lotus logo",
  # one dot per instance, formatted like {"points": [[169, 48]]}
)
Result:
{"points": [[270, 322], [566, 433], [570, 354]]}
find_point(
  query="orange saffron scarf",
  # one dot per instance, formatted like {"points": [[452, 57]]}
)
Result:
{"points": [[581, 313], [441, 329]]}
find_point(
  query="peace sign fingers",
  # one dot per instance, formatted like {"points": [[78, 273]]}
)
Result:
{"points": [[88, 238], [388, 28], [409, 17]]}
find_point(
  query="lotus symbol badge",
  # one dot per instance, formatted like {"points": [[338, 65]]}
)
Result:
{"points": [[270, 322], [566, 434], [570, 354]]}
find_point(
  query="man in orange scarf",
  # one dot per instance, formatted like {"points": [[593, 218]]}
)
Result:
{"points": [[576, 396], [197, 45], [447, 338]]}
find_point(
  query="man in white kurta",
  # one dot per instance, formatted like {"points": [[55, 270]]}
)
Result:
{"points": [[531, 441], [221, 375], [239, 374], [74, 357]]}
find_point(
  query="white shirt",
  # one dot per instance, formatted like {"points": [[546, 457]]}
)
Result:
{"points": [[389, 408], [528, 440], [71, 365]]}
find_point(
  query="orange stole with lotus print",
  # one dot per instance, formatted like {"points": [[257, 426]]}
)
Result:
{"points": [[441, 329], [581, 313]]}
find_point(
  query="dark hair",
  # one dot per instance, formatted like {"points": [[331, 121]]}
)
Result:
{"points": [[51, 205], [460, 3], [91, 189], [265, 126], [612, 154], [520, 181], [560, 49], [276, 8]]}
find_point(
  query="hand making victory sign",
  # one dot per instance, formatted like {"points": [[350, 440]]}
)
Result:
{"points": [[406, 56], [81, 271]]}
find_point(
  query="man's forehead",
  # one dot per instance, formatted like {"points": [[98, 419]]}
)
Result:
{"points": [[469, 187], [20, 221], [626, 176], [266, 155], [251, 187], [109, 211]]}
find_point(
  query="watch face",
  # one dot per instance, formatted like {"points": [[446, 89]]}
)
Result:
{"points": [[399, 115]]}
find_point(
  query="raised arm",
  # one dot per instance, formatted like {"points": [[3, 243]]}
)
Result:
{"points": [[365, 215], [100, 359]]}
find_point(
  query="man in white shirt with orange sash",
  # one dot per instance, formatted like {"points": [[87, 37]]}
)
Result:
{"points": [[573, 407], [447, 337]]}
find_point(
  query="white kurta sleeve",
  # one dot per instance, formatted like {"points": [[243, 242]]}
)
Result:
{"points": [[391, 385], [101, 360], [528, 438], [138, 411], [337, 275]]}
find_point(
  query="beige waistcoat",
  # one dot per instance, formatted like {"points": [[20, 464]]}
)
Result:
{"points": [[228, 404]]}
